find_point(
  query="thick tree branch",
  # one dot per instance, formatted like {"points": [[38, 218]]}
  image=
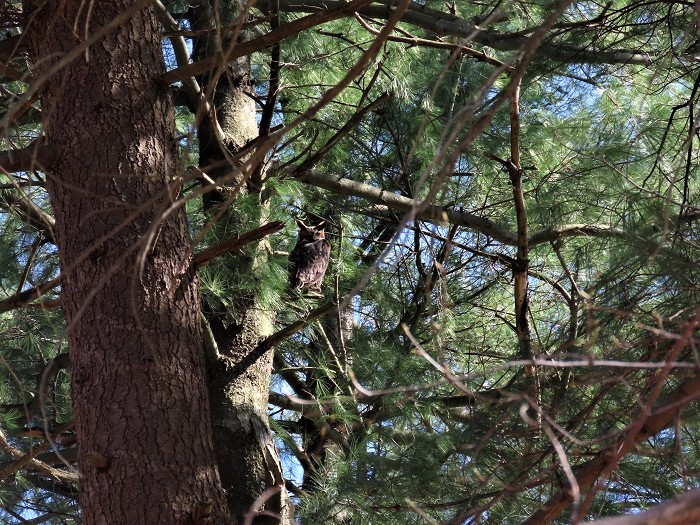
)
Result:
{"points": [[25, 459], [27, 296], [458, 48], [432, 213], [440, 214], [450, 25], [33, 157], [301, 389], [52, 459], [682, 510]]}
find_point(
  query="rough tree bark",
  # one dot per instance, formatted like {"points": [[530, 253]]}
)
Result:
{"points": [[239, 378], [129, 293]]}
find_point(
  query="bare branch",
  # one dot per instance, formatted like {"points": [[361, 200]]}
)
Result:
{"points": [[204, 257], [522, 263], [29, 458]]}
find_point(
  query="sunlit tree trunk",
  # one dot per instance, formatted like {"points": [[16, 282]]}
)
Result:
{"points": [[130, 296]]}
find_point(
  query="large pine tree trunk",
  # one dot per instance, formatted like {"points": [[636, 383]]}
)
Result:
{"points": [[129, 294]]}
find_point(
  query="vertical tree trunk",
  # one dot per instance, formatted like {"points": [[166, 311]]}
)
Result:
{"points": [[239, 378], [129, 294]]}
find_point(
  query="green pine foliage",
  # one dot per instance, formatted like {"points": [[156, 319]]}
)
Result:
{"points": [[420, 411]]}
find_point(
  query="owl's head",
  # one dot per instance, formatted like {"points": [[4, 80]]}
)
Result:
{"points": [[311, 233]]}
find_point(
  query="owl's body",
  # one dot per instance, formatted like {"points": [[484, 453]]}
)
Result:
{"points": [[308, 260]]}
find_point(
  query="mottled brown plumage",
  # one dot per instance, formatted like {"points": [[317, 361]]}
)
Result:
{"points": [[308, 260]]}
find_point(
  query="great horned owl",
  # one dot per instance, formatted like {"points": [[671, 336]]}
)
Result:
{"points": [[308, 260]]}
